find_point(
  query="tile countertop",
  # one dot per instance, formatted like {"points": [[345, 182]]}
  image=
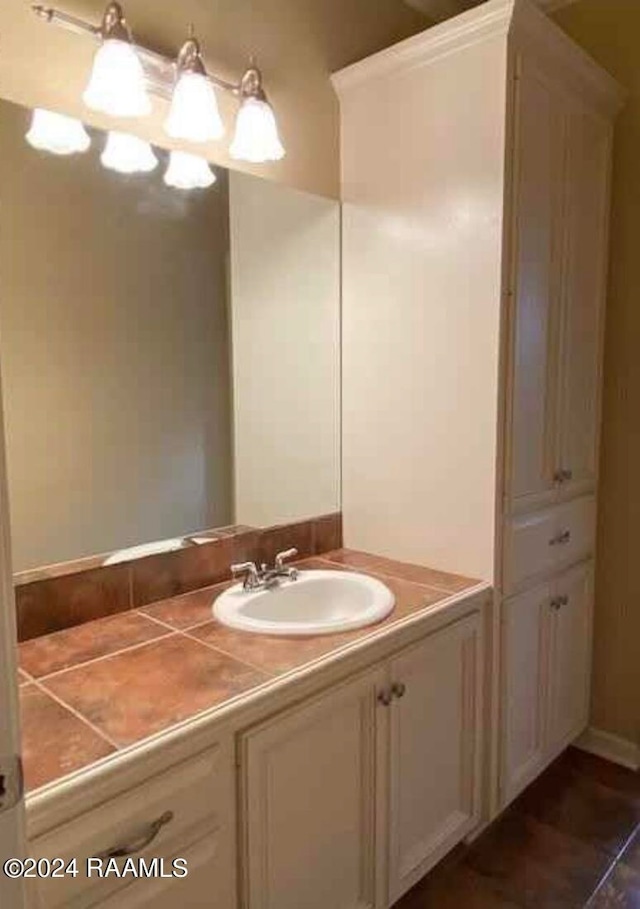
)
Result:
{"points": [[94, 689]]}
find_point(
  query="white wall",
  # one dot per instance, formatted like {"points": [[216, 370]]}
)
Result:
{"points": [[285, 287], [114, 351]]}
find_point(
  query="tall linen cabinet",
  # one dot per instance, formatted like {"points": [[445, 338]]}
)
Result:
{"points": [[475, 180]]}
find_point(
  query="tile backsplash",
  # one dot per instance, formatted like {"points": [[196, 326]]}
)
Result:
{"points": [[46, 604]]}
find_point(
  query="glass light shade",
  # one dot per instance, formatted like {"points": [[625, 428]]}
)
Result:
{"points": [[117, 84], [56, 133], [256, 138], [186, 171], [194, 113], [127, 154]]}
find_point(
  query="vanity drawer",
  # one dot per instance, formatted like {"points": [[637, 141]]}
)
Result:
{"points": [[193, 800], [544, 541]]}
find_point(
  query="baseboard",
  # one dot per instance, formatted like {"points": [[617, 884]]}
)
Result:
{"points": [[612, 747]]}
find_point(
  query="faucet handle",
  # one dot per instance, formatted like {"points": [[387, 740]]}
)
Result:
{"points": [[282, 557], [248, 571]]}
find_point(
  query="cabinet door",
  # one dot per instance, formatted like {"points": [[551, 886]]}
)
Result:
{"points": [[571, 655], [526, 621], [537, 207], [585, 256], [434, 750], [309, 804]]}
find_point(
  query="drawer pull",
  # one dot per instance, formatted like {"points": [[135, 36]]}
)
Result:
{"points": [[145, 839], [562, 476], [398, 689], [558, 602], [560, 540]]}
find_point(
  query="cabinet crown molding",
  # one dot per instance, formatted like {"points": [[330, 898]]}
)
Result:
{"points": [[521, 19]]}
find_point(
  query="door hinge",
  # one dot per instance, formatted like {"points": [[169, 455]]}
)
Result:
{"points": [[11, 781]]}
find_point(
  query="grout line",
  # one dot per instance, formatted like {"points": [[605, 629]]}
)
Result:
{"points": [[155, 620], [395, 577], [261, 669], [77, 715], [105, 656], [181, 630]]}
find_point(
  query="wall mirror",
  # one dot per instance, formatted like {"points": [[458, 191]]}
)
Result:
{"points": [[169, 358]]}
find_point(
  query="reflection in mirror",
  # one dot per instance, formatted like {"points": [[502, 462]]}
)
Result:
{"points": [[169, 358]]}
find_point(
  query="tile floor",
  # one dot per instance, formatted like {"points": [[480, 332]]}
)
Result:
{"points": [[572, 840]]}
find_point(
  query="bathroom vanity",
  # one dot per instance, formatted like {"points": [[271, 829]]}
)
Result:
{"points": [[335, 770]]}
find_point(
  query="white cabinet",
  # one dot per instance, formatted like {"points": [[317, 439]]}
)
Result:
{"points": [[525, 660], [588, 162], [200, 889], [535, 284], [546, 659], [308, 802], [569, 676], [434, 750], [475, 177], [188, 811], [350, 798], [562, 154]]}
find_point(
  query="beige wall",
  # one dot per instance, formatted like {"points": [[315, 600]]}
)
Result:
{"points": [[610, 31], [298, 43], [114, 352], [285, 287]]}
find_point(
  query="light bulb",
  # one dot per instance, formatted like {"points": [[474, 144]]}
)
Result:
{"points": [[256, 137], [117, 84], [186, 171], [57, 133], [127, 154], [194, 113]]}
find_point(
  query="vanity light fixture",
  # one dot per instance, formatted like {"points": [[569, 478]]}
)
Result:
{"points": [[256, 137], [128, 154], [187, 171], [124, 73], [117, 83], [194, 113], [57, 133]]}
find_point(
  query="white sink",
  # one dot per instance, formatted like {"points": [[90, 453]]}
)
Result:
{"points": [[318, 602]]}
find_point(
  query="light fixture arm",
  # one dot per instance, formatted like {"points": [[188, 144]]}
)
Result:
{"points": [[159, 70]]}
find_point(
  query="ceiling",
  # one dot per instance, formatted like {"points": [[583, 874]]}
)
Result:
{"points": [[444, 9]]}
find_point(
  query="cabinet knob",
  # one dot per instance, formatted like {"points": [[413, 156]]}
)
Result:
{"points": [[398, 689], [385, 697], [558, 602], [562, 475]]}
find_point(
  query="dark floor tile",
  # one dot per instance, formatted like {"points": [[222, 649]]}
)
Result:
{"points": [[458, 888], [631, 855], [64, 649], [582, 806], [536, 866], [51, 605], [187, 610], [596, 768], [54, 741], [146, 690], [621, 890]]}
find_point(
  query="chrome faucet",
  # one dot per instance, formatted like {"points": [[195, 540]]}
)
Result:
{"points": [[264, 578]]}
